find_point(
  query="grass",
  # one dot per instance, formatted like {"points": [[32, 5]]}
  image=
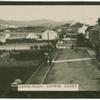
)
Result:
{"points": [[8, 74], [18, 63]]}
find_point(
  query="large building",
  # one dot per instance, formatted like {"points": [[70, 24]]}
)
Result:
{"points": [[93, 34], [49, 35], [5, 36]]}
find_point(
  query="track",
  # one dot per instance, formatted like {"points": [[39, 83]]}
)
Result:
{"points": [[41, 73], [38, 75]]}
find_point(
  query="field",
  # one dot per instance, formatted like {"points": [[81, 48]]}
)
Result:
{"points": [[11, 70], [19, 46], [9, 74]]}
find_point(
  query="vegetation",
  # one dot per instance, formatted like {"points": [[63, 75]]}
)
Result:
{"points": [[26, 29], [98, 21], [81, 40]]}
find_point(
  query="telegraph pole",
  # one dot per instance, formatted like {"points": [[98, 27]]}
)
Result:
{"points": [[48, 38], [48, 43]]}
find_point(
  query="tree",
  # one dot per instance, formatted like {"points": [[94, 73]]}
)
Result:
{"points": [[36, 47], [31, 47], [98, 21], [80, 40]]}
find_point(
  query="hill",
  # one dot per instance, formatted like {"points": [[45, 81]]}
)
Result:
{"points": [[41, 22]]}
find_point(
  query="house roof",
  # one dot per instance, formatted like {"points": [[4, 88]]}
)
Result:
{"points": [[49, 31], [18, 36], [95, 28], [31, 36], [88, 28], [83, 29], [71, 33]]}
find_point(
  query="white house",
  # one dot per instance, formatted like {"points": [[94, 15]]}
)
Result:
{"points": [[32, 36], [2, 38], [49, 35], [7, 35], [83, 29]]}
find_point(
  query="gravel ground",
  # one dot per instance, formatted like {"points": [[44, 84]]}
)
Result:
{"points": [[84, 73]]}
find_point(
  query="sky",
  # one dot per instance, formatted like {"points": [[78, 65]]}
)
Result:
{"points": [[86, 14]]}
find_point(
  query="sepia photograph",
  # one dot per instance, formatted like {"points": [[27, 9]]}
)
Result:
{"points": [[49, 48]]}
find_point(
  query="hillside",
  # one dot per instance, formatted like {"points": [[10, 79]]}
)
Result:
{"points": [[41, 22]]}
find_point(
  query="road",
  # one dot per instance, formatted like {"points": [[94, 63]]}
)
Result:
{"points": [[76, 71]]}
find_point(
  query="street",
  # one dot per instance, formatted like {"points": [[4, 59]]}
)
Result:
{"points": [[71, 68]]}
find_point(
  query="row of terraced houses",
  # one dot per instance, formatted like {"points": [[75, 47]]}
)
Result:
{"points": [[92, 34], [8, 36]]}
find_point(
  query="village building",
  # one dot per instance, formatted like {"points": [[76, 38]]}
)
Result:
{"points": [[7, 30], [17, 35], [93, 34], [93, 37], [73, 30], [22, 37], [3, 37], [49, 35], [83, 29], [32, 36], [87, 31], [71, 34]]}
